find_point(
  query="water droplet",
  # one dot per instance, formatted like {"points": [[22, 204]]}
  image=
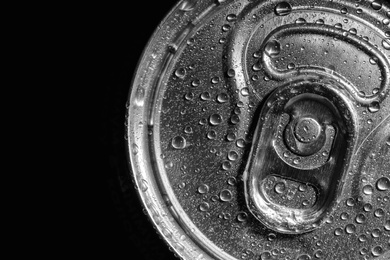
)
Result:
{"points": [[360, 218], [179, 142], [231, 137], [272, 48], [379, 213], [245, 92], [205, 96], [386, 44], [195, 82], [353, 31], [231, 73], [226, 165], [387, 225], [225, 195], [318, 254], [234, 119], [367, 207], [139, 96], [344, 10], [302, 187], [231, 17], [320, 21], [204, 206], [222, 98], [232, 155], [374, 107], [212, 135], [350, 202], [134, 149], [376, 5], [383, 184], [304, 257], [300, 21], [241, 217], [226, 27], [144, 185], [296, 161], [215, 119], [189, 96], [215, 80], [180, 73], [376, 233], [338, 231], [338, 25], [359, 11], [203, 188], [344, 216], [283, 8], [266, 256], [350, 228], [362, 238], [291, 66], [188, 130], [182, 185], [377, 251], [368, 189], [373, 60], [280, 188], [240, 143]]}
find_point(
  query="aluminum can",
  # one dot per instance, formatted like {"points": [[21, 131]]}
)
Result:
{"points": [[261, 129]]}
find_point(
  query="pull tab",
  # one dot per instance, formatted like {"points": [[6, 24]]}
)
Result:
{"points": [[299, 157]]}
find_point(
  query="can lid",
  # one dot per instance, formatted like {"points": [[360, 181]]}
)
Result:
{"points": [[261, 129]]}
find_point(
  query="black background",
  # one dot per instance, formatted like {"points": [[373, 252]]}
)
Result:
{"points": [[110, 223]]}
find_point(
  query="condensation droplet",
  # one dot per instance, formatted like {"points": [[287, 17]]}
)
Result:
{"points": [[379, 213], [179, 142], [215, 119], [225, 195], [203, 188], [386, 44], [343, 10], [360, 218], [231, 17], [180, 73], [283, 8], [350, 229], [266, 256], [383, 184], [222, 98], [374, 107], [280, 188], [195, 82], [204, 206], [232, 155], [338, 231], [245, 92], [368, 189], [300, 21], [304, 257], [231, 73], [377, 251], [242, 216], [367, 207], [226, 165], [272, 48], [212, 135], [376, 5]]}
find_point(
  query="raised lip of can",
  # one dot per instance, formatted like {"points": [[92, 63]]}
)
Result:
{"points": [[187, 242]]}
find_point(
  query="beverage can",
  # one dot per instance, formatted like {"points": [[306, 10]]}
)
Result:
{"points": [[261, 129]]}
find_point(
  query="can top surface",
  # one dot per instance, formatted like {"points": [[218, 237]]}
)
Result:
{"points": [[261, 129]]}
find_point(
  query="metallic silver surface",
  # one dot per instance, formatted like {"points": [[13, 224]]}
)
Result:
{"points": [[261, 129]]}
